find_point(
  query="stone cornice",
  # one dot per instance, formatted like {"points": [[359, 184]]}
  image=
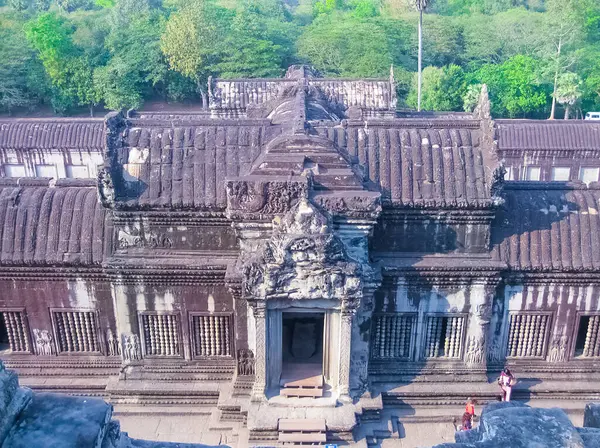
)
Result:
{"points": [[167, 218]]}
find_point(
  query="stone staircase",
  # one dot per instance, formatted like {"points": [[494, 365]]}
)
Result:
{"points": [[302, 431], [306, 387]]}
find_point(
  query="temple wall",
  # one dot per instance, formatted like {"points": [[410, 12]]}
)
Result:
{"points": [[133, 302], [563, 304], [39, 298]]}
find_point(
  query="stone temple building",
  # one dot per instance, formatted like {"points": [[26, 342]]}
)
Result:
{"points": [[300, 243]]}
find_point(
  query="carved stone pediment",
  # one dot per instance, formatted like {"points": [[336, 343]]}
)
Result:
{"points": [[302, 260], [248, 198]]}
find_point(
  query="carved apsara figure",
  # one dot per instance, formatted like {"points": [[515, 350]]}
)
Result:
{"points": [[245, 362], [43, 342], [114, 348]]}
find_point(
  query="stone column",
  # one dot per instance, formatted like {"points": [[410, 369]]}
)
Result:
{"points": [[477, 335], [347, 316], [260, 367]]}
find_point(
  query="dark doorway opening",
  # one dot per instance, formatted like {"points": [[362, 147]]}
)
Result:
{"points": [[302, 353], [582, 333]]}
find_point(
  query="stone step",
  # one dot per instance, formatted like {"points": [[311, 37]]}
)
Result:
{"points": [[312, 437], [302, 392], [302, 425], [302, 431], [312, 381]]}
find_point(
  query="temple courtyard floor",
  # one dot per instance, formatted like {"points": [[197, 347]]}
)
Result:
{"points": [[419, 427]]}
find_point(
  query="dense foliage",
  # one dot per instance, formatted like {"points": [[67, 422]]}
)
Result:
{"points": [[539, 58]]}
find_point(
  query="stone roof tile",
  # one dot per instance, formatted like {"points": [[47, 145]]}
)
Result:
{"points": [[55, 133], [51, 226]]}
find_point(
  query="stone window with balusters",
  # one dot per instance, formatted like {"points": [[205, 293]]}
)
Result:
{"points": [[16, 328], [76, 331], [392, 335], [444, 336], [527, 334], [587, 340], [161, 334], [211, 334]]}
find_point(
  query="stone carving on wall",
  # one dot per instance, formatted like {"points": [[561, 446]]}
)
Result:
{"points": [[43, 342], [359, 206], [475, 353], [131, 347], [245, 362], [143, 239], [495, 352], [114, 348], [302, 260], [106, 189], [263, 198], [558, 349]]}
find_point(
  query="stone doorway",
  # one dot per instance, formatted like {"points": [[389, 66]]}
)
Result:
{"points": [[302, 351], [4, 341]]}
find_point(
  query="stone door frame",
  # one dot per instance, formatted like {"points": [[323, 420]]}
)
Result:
{"points": [[337, 330]]}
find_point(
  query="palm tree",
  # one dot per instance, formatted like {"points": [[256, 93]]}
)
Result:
{"points": [[421, 6]]}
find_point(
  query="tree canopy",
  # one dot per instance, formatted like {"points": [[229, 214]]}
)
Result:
{"points": [[536, 56]]}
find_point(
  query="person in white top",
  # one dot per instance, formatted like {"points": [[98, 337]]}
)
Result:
{"points": [[506, 382]]}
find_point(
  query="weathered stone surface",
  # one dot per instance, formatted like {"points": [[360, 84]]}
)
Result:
{"points": [[591, 415], [50, 420], [516, 425]]}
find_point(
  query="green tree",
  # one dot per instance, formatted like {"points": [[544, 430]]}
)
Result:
{"points": [[258, 45], [564, 30], [66, 65], [471, 97], [515, 87], [23, 82], [136, 64], [568, 91], [443, 89], [193, 41], [338, 45]]}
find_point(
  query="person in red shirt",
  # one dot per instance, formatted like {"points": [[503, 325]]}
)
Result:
{"points": [[470, 407]]}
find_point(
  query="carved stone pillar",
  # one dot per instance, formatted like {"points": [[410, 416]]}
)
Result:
{"points": [[477, 336], [345, 350], [260, 372]]}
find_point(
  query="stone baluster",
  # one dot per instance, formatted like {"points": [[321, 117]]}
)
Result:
{"points": [[399, 336], [519, 331], [378, 338], [541, 335], [227, 337], [149, 335], [201, 336], [394, 336], [10, 329], [595, 322]]}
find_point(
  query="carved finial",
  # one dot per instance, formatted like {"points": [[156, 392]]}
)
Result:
{"points": [[482, 110], [392, 80]]}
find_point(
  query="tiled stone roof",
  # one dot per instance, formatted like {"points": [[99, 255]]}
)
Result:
{"points": [[40, 225], [548, 227], [54, 133], [547, 135], [418, 164]]}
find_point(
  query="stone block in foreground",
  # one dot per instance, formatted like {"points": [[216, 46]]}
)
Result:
{"points": [[516, 425]]}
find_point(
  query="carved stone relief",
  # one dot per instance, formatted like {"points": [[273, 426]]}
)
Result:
{"points": [[43, 342], [262, 197], [302, 260], [245, 362], [114, 348], [558, 349], [131, 347], [475, 353], [143, 239]]}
